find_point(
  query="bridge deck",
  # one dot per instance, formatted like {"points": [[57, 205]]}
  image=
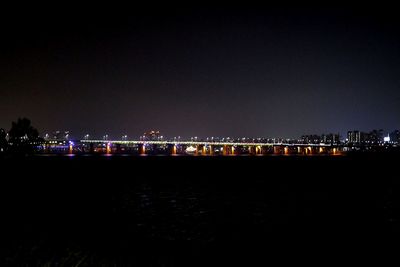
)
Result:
{"points": [[199, 143]]}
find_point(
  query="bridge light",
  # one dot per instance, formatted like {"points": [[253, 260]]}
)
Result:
{"points": [[286, 150]]}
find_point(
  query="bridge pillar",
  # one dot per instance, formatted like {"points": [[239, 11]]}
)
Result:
{"points": [[225, 150], [169, 149], [286, 150], [142, 149], [172, 149], [239, 150], [108, 148], [265, 150], [154, 149], [251, 150], [118, 148]]}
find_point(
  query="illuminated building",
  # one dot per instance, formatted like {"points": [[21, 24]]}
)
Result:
{"points": [[354, 137], [152, 136], [395, 137]]}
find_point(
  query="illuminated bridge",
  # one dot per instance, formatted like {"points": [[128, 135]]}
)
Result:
{"points": [[200, 147]]}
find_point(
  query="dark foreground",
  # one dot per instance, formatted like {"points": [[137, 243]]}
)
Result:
{"points": [[119, 211]]}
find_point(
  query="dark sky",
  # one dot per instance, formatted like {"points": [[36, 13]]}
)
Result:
{"points": [[257, 72]]}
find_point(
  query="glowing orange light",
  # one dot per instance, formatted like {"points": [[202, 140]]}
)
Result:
{"points": [[174, 150], [108, 149], [143, 149], [286, 149]]}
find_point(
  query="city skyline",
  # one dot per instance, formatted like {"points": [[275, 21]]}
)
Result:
{"points": [[276, 72], [158, 135], [67, 134]]}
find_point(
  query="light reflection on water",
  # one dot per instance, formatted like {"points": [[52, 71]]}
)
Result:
{"points": [[168, 213]]}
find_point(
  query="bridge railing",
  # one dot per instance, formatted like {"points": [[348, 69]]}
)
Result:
{"points": [[198, 143]]}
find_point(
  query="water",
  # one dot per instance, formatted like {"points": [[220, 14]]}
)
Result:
{"points": [[105, 206]]}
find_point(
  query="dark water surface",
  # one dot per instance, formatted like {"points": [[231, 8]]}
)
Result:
{"points": [[92, 211]]}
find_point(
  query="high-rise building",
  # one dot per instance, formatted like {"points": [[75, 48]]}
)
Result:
{"points": [[333, 139], [59, 135], [354, 137], [395, 137], [152, 136], [374, 137], [317, 139]]}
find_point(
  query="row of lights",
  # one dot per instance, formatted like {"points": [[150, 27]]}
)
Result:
{"points": [[125, 138]]}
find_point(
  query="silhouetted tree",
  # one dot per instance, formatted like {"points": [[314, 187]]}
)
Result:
{"points": [[22, 135], [3, 141]]}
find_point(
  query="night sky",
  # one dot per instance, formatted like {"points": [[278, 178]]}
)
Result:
{"points": [[256, 72]]}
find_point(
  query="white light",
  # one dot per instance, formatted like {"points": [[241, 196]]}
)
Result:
{"points": [[190, 149], [386, 139]]}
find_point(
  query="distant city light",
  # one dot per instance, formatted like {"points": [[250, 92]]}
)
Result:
{"points": [[386, 139]]}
